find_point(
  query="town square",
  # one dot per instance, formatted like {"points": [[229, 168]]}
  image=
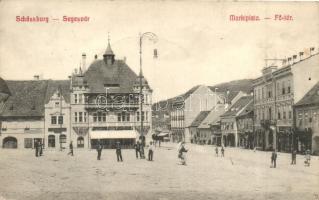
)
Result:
{"points": [[159, 100]]}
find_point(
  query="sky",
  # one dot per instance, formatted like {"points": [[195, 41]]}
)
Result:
{"points": [[197, 43]]}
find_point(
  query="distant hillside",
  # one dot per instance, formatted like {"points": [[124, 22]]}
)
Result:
{"points": [[163, 108], [245, 85]]}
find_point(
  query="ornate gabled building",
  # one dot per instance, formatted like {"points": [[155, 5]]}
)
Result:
{"points": [[105, 103], [100, 104]]}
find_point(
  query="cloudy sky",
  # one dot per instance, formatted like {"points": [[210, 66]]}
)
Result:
{"points": [[197, 43]]}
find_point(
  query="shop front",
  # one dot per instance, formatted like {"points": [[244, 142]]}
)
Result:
{"points": [[109, 138]]}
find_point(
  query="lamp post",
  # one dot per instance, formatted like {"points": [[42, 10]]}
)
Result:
{"points": [[153, 37]]}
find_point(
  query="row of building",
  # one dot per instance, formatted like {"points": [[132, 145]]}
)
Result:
{"points": [[100, 104], [278, 111]]}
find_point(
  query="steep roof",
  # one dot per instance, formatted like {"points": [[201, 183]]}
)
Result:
{"points": [[4, 87], [62, 85], [213, 116], [99, 74], [199, 118], [311, 97], [108, 50], [248, 110], [27, 98], [238, 106]]}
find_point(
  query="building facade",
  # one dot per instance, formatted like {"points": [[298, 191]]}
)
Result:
{"points": [[186, 107], [245, 127], [306, 123], [275, 93], [99, 105], [229, 126]]}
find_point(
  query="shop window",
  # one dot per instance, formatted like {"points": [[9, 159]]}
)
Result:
{"points": [[62, 138], [51, 141], [80, 142], [27, 142]]}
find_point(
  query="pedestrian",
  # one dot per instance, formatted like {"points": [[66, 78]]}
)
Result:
{"points": [[36, 146], [293, 156], [273, 159], [141, 150], [71, 149], [223, 151], [99, 151], [181, 153], [216, 151], [118, 152], [137, 148], [308, 158], [150, 151], [40, 149]]}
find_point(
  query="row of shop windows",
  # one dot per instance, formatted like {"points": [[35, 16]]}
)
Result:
{"points": [[29, 142]]}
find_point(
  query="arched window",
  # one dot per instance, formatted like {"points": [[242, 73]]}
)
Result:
{"points": [[62, 138], [10, 142], [51, 141], [80, 142]]}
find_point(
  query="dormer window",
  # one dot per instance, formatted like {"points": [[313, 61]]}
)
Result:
{"points": [[33, 107], [57, 104]]}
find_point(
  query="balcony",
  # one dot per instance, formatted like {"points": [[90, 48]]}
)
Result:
{"points": [[112, 106]]}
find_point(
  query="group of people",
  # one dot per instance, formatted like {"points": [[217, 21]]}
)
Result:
{"points": [[139, 151], [293, 158], [222, 150]]}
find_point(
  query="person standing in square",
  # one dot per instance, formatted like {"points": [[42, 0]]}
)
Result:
{"points": [[273, 159], [119, 152], [99, 151], [150, 151], [71, 149]]}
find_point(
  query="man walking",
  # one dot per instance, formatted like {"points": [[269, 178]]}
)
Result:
{"points": [[150, 151], [216, 151], [137, 148], [99, 151], [36, 146], [223, 151], [273, 159], [71, 149], [118, 152], [293, 156], [40, 148], [141, 150]]}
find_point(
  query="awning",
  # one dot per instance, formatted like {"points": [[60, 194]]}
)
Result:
{"points": [[114, 134], [162, 134]]}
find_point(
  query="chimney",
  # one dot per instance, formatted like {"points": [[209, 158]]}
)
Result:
{"points": [[124, 59], [301, 55], [95, 57], [83, 62], [312, 49], [36, 77], [294, 57]]}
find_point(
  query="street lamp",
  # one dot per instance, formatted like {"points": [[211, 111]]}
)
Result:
{"points": [[152, 37]]}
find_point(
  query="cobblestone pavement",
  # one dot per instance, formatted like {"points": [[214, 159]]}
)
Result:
{"points": [[242, 174]]}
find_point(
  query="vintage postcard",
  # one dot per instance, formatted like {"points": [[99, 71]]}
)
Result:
{"points": [[159, 100]]}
